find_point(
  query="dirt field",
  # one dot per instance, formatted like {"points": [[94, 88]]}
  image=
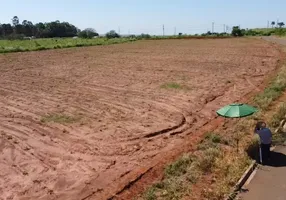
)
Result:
{"points": [[82, 123]]}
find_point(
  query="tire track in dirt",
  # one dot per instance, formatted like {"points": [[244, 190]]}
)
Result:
{"points": [[128, 123]]}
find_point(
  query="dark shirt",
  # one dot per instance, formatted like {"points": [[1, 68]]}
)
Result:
{"points": [[265, 135]]}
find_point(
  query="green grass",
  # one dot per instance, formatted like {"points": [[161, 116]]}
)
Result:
{"points": [[59, 118], [217, 156], [173, 85], [180, 175], [273, 91], [278, 116], [8, 46]]}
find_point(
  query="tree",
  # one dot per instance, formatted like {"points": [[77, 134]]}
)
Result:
{"points": [[15, 21], [112, 34], [273, 24], [18, 29], [7, 29], [28, 28], [236, 31], [88, 33], [145, 36], [281, 24], [41, 30]]}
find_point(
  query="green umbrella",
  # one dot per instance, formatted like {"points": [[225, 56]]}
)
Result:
{"points": [[236, 111]]}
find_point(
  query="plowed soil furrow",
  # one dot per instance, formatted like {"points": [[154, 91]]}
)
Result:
{"points": [[133, 105]]}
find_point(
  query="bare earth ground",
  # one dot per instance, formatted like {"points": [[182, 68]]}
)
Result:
{"points": [[126, 121]]}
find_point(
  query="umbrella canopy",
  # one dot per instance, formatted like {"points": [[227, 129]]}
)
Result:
{"points": [[236, 111]]}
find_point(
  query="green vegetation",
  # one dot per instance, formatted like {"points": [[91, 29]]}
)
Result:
{"points": [[218, 155], [173, 85], [112, 34], [278, 116], [59, 118], [88, 33], [273, 91], [17, 30], [237, 32], [186, 171], [7, 46]]}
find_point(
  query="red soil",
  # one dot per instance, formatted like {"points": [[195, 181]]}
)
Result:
{"points": [[128, 122]]}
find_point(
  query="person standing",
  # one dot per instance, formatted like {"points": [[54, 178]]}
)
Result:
{"points": [[265, 136]]}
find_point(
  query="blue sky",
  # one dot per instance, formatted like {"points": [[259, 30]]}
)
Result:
{"points": [[148, 16]]}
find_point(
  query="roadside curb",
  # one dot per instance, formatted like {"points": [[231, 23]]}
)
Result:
{"points": [[242, 181], [250, 170], [244, 178]]}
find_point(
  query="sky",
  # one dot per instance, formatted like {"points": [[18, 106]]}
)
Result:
{"points": [[148, 16]]}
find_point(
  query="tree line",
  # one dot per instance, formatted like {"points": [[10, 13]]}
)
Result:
{"points": [[17, 30], [238, 32]]}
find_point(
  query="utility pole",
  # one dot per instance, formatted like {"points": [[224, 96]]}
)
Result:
{"points": [[163, 30], [175, 31], [128, 31], [224, 28], [213, 27], [267, 24]]}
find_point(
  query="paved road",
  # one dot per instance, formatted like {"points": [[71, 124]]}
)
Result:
{"points": [[269, 182]]}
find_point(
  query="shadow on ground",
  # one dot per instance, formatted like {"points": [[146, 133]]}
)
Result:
{"points": [[277, 160]]}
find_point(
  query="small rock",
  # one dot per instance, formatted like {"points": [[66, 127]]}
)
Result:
{"points": [[25, 173], [9, 137]]}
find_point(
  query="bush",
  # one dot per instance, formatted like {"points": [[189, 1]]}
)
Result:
{"points": [[237, 32], [207, 159], [278, 116], [16, 36], [280, 31], [112, 34], [88, 33], [179, 167], [145, 36]]}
